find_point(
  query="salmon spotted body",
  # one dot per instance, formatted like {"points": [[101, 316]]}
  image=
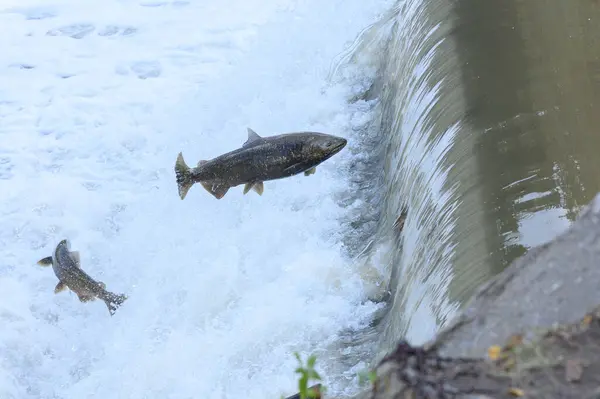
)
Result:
{"points": [[67, 268], [258, 160]]}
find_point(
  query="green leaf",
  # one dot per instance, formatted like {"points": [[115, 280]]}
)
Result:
{"points": [[367, 375], [372, 376]]}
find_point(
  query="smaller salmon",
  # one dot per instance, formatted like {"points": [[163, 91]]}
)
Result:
{"points": [[67, 268]]}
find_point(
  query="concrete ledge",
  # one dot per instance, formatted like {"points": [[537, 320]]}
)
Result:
{"points": [[541, 312]]}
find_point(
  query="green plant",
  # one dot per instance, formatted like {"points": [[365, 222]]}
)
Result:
{"points": [[365, 376], [306, 374]]}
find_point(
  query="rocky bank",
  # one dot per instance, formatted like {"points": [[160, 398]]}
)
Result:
{"points": [[533, 331]]}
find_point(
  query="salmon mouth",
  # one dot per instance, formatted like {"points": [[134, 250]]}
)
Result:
{"points": [[338, 147], [341, 145], [334, 150]]}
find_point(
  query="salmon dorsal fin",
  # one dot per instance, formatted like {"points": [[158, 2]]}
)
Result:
{"points": [[252, 137]]}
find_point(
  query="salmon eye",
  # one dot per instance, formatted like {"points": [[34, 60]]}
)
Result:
{"points": [[328, 144]]}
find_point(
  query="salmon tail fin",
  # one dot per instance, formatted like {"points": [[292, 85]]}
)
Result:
{"points": [[113, 302], [183, 176]]}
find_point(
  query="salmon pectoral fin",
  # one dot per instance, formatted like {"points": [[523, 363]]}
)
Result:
{"points": [[259, 187], [218, 190], [60, 287], [296, 168], [86, 298], [47, 261], [311, 171]]}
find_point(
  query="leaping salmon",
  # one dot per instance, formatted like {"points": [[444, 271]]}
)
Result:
{"points": [[258, 160], [67, 268]]}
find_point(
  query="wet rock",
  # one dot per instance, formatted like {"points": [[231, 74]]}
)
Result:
{"points": [[533, 331], [560, 362]]}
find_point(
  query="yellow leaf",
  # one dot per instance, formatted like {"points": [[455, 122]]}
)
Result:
{"points": [[516, 392], [494, 352]]}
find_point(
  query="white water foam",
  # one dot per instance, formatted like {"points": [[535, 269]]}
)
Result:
{"points": [[96, 100]]}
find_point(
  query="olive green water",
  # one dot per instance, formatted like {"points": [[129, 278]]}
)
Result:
{"points": [[488, 116], [531, 79]]}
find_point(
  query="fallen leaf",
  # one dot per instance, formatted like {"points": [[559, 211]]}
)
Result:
{"points": [[573, 370], [494, 352], [516, 392], [513, 341], [508, 364]]}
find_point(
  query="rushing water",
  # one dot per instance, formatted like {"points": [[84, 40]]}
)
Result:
{"points": [[486, 127], [475, 120]]}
